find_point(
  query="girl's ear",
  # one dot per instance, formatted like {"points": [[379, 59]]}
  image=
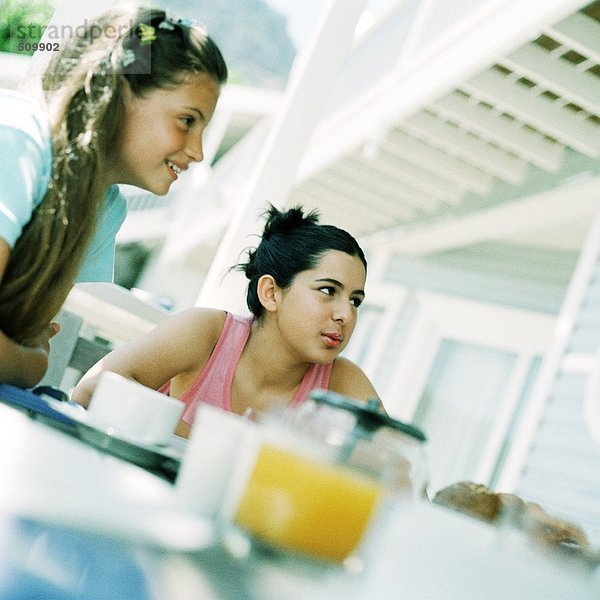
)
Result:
{"points": [[268, 292]]}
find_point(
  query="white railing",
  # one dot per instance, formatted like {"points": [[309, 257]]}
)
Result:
{"points": [[555, 359]]}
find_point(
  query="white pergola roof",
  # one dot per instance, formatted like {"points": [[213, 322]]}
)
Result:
{"points": [[514, 128], [448, 124]]}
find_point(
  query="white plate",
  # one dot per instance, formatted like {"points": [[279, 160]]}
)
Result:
{"points": [[55, 478], [111, 440]]}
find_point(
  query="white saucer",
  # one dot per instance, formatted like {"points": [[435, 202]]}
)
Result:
{"points": [[113, 441]]}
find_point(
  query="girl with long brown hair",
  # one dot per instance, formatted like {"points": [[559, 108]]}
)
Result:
{"points": [[127, 99]]}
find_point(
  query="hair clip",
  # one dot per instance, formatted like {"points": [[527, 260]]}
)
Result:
{"points": [[187, 22], [128, 57], [147, 34], [170, 22]]}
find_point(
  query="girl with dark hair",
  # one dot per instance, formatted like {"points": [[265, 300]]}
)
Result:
{"points": [[306, 282], [127, 97]]}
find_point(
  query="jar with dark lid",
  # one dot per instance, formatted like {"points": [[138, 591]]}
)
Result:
{"points": [[365, 437]]}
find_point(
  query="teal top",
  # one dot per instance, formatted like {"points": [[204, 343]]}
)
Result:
{"points": [[25, 166]]}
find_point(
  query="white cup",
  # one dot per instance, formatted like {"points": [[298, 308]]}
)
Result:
{"points": [[133, 410], [219, 442]]}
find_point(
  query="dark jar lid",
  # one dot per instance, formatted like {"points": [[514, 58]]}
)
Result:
{"points": [[368, 415]]}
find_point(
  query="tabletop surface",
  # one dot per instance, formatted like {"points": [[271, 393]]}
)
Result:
{"points": [[77, 523]]}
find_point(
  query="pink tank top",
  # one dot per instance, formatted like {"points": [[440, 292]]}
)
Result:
{"points": [[213, 385]]}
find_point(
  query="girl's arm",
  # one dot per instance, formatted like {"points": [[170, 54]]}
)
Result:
{"points": [[22, 364], [180, 345]]}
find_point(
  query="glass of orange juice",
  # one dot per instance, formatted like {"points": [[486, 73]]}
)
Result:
{"points": [[302, 504], [300, 490]]}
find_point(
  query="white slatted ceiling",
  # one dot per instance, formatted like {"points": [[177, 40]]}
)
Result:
{"points": [[580, 33], [521, 113], [452, 169], [505, 132], [469, 146]]}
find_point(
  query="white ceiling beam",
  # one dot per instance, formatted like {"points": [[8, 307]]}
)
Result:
{"points": [[426, 181], [552, 73], [329, 212], [382, 180], [511, 135], [540, 112], [361, 210], [395, 195], [579, 32], [456, 141], [334, 213], [404, 176], [416, 151], [552, 207]]}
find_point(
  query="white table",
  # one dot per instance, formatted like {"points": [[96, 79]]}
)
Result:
{"points": [[63, 504]]}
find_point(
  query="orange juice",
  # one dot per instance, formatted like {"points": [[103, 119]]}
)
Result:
{"points": [[307, 505]]}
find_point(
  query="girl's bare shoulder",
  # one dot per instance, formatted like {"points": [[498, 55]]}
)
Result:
{"points": [[342, 368], [207, 322], [185, 340], [349, 379]]}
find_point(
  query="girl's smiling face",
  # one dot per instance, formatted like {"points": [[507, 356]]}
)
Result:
{"points": [[317, 313], [162, 133]]}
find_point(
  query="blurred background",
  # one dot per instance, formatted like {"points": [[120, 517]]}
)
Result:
{"points": [[458, 140]]}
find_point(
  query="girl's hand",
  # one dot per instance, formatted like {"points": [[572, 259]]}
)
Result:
{"points": [[24, 363], [42, 341]]}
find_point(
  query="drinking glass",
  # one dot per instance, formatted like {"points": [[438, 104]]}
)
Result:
{"points": [[321, 476]]}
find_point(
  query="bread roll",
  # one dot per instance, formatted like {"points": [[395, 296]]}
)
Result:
{"points": [[479, 501]]}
